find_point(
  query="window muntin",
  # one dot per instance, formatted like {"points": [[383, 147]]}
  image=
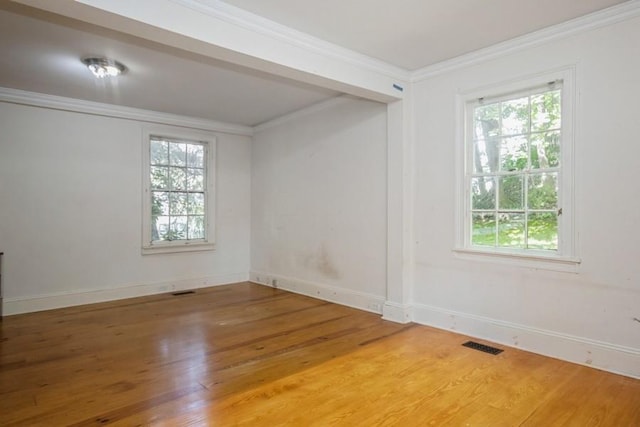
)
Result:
{"points": [[513, 170]]}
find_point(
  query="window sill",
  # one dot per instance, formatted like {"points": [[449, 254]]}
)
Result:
{"points": [[184, 247], [521, 259]]}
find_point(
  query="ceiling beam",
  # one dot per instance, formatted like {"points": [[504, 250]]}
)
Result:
{"points": [[218, 30]]}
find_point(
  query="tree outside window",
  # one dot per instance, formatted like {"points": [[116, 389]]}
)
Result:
{"points": [[514, 170]]}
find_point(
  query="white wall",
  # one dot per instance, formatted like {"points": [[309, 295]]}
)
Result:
{"points": [[588, 316], [70, 212], [319, 203]]}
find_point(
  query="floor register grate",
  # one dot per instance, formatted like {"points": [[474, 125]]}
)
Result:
{"points": [[481, 347]]}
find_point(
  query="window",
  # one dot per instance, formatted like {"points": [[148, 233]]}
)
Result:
{"points": [[517, 169], [178, 192]]}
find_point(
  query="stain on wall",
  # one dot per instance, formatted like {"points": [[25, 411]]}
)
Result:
{"points": [[322, 262]]}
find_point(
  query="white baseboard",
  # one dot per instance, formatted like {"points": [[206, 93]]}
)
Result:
{"points": [[68, 299], [596, 354], [355, 299]]}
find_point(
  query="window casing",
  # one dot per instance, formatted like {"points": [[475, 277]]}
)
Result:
{"points": [[178, 181], [516, 171]]}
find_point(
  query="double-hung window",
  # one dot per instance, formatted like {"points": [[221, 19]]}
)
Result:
{"points": [[178, 192], [517, 173]]}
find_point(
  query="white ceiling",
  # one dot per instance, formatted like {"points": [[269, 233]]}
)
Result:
{"points": [[40, 51], [413, 34]]}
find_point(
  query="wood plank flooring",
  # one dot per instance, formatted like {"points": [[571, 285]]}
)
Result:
{"points": [[250, 355]]}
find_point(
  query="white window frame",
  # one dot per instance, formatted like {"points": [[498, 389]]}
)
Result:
{"points": [[565, 258], [173, 133]]}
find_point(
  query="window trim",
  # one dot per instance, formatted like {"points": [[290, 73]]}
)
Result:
{"points": [[169, 132], [565, 258]]}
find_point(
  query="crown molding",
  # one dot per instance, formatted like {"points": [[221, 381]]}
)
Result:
{"points": [[266, 27], [15, 96], [611, 15]]}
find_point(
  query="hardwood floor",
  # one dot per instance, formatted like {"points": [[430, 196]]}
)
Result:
{"points": [[249, 355]]}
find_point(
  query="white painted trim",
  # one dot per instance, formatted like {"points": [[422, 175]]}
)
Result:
{"points": [[523, 259], [88, 296], [200, 29], [296, 115], [15, 96], [408, 197], [611, 15], [400, 179], [398, 313], [596, 354], [261, 25], [172, 248], [360, 300]]}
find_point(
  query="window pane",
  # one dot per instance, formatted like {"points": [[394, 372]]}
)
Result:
{"points": [[515, 116], [159, 152], [159, 177], [511, 192], [487, 121], [160, 228], [542, 231], [177, 228], [196, 227], [545, 111], [196, 203], [545, 150], [195, 179], [483, 229], [483, 193], [195, 155], [159, 203], [178, 204], [178, 178], [485, 155], [513, 153], [543, 191], [177, 154], [511, 230]]}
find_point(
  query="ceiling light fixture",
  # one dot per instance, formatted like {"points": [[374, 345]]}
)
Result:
{"points": [[104, 67]]}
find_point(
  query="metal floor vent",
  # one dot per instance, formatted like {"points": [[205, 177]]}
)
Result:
{"points": [[175, 294], [481, 347]]}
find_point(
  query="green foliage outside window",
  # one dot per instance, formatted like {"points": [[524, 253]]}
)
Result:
{"points": [[515, 171], [177, 177]]}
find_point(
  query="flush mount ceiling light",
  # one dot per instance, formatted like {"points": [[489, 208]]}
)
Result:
{"points": [[104, 67]]}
